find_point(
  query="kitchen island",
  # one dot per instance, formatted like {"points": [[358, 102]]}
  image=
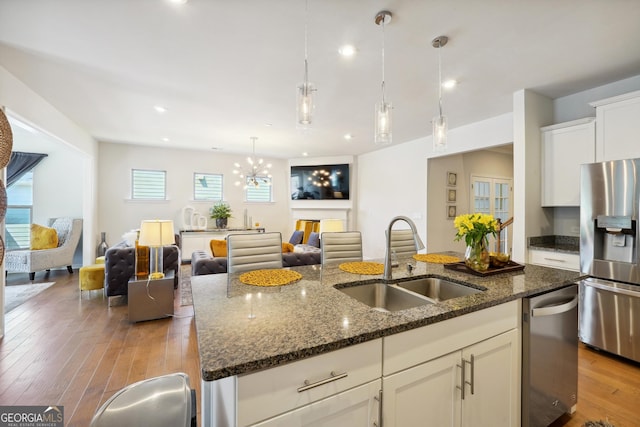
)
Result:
{"points": [[245, 330]]}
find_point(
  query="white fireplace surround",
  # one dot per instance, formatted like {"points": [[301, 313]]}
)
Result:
{"points": [[322, 213]]}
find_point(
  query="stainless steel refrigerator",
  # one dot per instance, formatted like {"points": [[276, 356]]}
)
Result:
{"points": [[610, 298]]}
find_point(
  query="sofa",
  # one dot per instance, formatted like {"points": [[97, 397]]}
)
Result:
{"points": [[203, 263], [120, 263]]}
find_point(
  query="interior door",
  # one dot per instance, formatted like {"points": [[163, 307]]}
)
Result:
{"points": [[494, 196]]}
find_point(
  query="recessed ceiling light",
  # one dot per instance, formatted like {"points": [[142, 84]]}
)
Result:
{"points": [[347, 50], [160, 109], [449, 84], [165, 139], [268, 124], [178, 1], [305, 154], [348, 136]]}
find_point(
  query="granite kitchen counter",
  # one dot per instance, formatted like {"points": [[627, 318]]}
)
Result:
{"points": [[553, 243], [243, 329]]}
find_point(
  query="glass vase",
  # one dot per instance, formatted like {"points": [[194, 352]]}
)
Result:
{"points": [[142, 260], [477, 257]]}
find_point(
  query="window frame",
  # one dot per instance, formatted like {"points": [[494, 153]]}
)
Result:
{"points": [[208, 174], [249, 187], [133, 185]]}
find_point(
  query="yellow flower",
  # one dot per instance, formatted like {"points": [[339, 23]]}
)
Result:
{"points": [[474, 227]]}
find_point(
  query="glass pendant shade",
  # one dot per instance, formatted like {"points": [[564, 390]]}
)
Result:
{"points": [[384, 122], [305, 104], [439, 133]]}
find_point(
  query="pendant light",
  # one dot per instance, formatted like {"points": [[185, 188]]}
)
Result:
{"points": [[256, 173], [305, 102], [383, 112], [439, 134]]}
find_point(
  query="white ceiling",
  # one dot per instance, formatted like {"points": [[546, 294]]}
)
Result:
{"points": [[224, 69]]}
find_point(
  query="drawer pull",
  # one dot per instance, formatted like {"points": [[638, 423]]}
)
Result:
{"points": [[334, 377], [556, 259]]}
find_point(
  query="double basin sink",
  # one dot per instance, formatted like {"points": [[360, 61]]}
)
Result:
{"points": [[407, 294]]}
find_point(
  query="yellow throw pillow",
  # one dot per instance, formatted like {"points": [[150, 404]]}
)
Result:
{"points": [[43, 237], [218, 247], [287, 247]]}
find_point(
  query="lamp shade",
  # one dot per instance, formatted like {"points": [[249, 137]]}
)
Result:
{"points": [[156, 233], [328, 225]]}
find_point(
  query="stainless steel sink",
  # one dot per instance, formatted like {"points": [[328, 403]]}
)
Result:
{"points": [[383, 297], [437, 289]]}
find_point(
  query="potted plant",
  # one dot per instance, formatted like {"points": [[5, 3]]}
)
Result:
{"points": [[221, 211]]}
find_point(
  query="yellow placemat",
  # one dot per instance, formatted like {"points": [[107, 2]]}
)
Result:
{"points": [[362, 267], [436, 258], [270, 277]]}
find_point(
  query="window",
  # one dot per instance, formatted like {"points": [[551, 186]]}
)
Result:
{"points": [[262, 193], [493, 196], [148, 184], [207, 186], [19, 213]]}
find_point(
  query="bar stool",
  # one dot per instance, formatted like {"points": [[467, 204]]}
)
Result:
{"points": [[165, 401]]}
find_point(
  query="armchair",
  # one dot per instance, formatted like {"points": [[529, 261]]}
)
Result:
{"points": [[30, 261]]}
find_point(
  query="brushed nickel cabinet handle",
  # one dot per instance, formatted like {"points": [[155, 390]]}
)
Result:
{"points": [[462, 380], [334, 377], [471, 363], [556, 259]]}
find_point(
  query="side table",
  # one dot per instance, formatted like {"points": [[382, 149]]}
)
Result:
{"points": [[150, 299]]}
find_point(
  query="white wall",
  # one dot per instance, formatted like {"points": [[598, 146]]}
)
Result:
{"points": [[24, 104], [118, 214], [531, 112], [393, 181]]}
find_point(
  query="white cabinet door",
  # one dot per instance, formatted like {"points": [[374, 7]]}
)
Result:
{"points": [[493, 397], [618, 127], [565, 147], [358, 407], [424, 395]]}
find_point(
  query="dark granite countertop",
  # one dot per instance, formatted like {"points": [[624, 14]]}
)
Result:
{"points": [[569, 244], [310, 317]]}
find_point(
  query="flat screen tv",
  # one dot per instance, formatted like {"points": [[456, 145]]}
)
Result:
{"points": [[320, 182]]}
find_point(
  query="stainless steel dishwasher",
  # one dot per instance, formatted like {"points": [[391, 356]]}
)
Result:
{"points": [[549, 356]]}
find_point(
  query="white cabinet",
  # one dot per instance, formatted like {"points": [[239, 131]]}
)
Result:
{"points": [[424, 384], [357, 407], [562, 260], [618, 127], [565, 147], [272, 392]]}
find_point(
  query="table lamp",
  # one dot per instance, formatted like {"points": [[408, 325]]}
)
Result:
{"points": [[156, 234]]}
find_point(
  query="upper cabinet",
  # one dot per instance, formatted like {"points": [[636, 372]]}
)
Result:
{"points": [[618, 129], [565, 147]]}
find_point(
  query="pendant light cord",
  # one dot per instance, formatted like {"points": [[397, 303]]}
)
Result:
{"points": [[383, 45], [439, 79], [306, 51]]}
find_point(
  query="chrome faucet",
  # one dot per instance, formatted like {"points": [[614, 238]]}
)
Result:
{"points": [[387, 254]]}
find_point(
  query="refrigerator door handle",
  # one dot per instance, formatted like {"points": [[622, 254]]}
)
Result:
{"points": [[555, 309], [612, 289]]}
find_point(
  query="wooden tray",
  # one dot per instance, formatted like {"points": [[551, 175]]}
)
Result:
{"points": [[461, 266]]}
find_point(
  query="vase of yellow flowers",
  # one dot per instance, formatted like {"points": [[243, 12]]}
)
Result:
{"points": [[475, 229]]}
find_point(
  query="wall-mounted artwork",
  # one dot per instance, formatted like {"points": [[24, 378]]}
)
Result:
{"points": [[452, 179], [451, 212], [451, 195]]}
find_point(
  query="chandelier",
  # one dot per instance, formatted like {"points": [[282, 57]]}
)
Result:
{"points": [[256, 172]]}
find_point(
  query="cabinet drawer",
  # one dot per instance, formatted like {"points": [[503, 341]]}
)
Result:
{"points": [[274, 391], [416, 346], [563, 260]]}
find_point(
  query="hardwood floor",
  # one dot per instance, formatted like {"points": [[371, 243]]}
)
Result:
{"points": [[65, 350], [60, 349]]}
